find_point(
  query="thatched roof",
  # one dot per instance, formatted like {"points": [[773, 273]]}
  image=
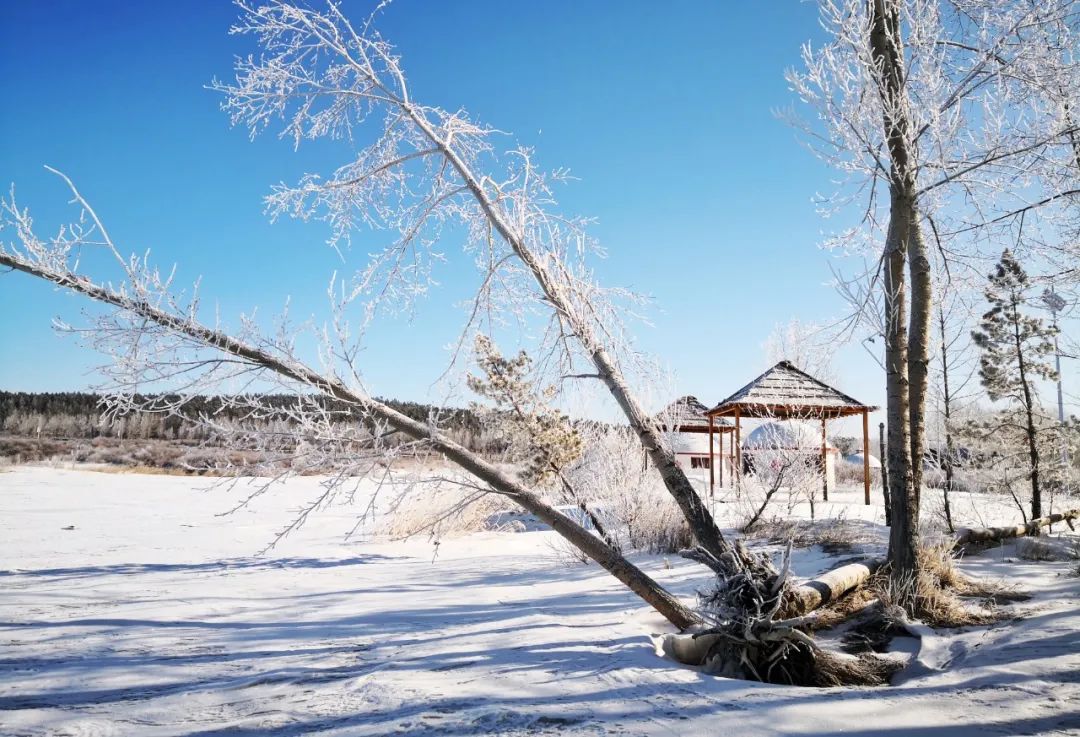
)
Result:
{"points": [[688, 414], [786, 391]]}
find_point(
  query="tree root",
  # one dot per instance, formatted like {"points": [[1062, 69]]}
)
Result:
{"points": [[758, 623]]}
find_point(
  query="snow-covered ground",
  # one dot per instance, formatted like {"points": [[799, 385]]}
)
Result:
{"points": [[152, 616]]}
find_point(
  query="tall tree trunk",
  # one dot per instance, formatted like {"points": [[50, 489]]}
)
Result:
{"points": [[918, 347], [1029, 412], [950, 450], [904, 527], [884, 474], [903, 238], [633, 577]]}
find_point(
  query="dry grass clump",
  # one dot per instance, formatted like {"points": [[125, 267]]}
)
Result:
{"points": [[147, 470], [442, 512], [19, 450], [662, 536], [845, 608], [873, 631], [1047, 549], [115, 455], [937, 596], [851, 474], [836, 536]]}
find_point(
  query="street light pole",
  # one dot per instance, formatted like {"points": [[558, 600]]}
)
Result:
{"points": [[1055, 304]]}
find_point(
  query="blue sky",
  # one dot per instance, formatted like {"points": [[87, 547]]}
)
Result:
{"points": [[665, 112]]}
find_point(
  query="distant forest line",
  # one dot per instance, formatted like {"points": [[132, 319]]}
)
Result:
{"points": [[80, 415]]}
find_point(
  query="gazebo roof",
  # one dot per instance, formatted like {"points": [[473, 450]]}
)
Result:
{"points": [[785, 391], [688, 414]]}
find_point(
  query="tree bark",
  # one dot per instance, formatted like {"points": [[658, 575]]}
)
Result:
{"points": [[887, 52], [918, 347], [950, 450], [884, 474], [904, 527], [1029, 412], [633, 577]]}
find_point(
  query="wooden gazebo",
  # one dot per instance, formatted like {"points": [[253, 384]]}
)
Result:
{"points": [[785, 392], [688, 415]]}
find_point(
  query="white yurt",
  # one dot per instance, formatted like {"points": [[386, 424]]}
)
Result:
{"points": [[856, 459], [771, 441]]}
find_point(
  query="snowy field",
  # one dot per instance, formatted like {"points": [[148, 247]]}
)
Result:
{"points": [[129, 607]]}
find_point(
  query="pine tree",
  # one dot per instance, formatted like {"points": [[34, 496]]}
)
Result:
{"points": [[544, 437], [1015, 347]]}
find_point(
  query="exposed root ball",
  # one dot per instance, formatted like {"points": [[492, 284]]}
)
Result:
{"points": [[800, 663], [838, 669]]}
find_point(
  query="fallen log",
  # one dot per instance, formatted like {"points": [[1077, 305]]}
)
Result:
{"points": [[829, 586], [973, 535]]}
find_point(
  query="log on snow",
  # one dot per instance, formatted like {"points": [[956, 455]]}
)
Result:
{"points": [[972, 535], [830, 586]]}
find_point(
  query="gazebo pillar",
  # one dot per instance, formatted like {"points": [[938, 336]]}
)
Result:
{"points": [[824, 462], [737, 475], [866, 454], [712, 473], [732, 457], [720, 456]]}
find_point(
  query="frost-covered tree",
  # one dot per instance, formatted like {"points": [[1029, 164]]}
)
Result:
{"points": [[943, 116], [952, 385], [421, 169], [809, 346], [1015, 347], [411, 172]]}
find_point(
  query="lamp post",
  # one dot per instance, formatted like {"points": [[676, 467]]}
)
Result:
{"points": [[1056, 304]]}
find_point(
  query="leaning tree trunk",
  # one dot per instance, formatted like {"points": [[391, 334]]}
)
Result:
{"points": [[887, 52], [570, 311], [573, 313], [697, 515], [633, 577]]}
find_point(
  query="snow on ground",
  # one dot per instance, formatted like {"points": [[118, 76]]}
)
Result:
{"points": [[153, 617]]}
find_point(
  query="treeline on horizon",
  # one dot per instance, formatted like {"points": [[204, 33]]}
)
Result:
{"points": [[80, 415]]}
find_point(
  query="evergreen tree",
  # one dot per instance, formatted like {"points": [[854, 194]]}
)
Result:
{"points": [[1015, 347]]}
